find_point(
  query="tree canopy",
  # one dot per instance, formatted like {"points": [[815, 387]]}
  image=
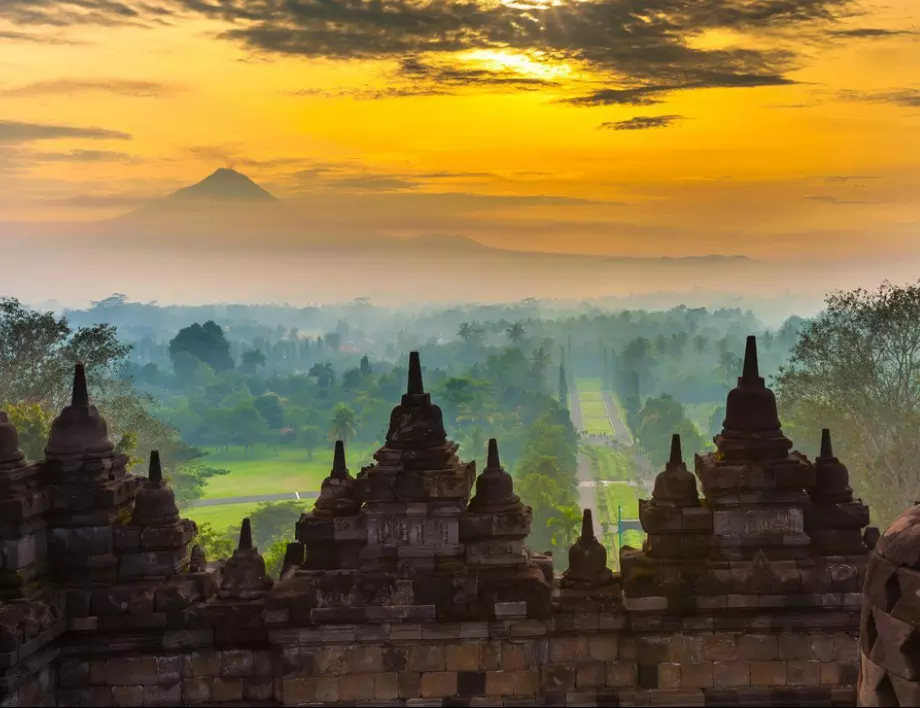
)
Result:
{"points": [[856, 370]]}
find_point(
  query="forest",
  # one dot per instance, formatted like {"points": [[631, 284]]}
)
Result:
{"points": [[244, 402]]}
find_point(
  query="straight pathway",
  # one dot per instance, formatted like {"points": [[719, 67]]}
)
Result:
{"points": [[255, 498], [620, 431], [587, 490]]}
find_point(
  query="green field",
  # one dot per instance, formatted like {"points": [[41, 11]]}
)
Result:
{"points": [[608, 464], [591, 396], [597, 426], [220, 517], [592, 409], [267, 471], [588, 384], [619, 495]]}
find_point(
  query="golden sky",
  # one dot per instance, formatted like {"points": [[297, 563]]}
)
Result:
{"points": [[683, 128]]}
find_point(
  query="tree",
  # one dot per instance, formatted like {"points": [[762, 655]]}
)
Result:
{"points": [[342, 423], [251, 361], [659, 419], [563, 387], [217, 544], [270, 408], [206, 343], [246, 426], [309, 438], [856, 370], [33, 424], [516, 332], [323, 373], [38, 351]]}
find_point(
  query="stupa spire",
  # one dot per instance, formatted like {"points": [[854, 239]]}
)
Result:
{"points": [[493, 460], [751, 371], [245, 543], [415, 386], [80, 395], [339, 468], [677, 456], [155, 471], [827, 451]]}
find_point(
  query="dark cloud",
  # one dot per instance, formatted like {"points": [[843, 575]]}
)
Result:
{"points": [[17, 132], [848, 178], [102, 13], [644, 47], [83, 156], [459, 77], [641, 48], [230, 156], [908, 97], [101, 201], [869, 33], [124, 87], [35, 38], [375, 183], [642, 123], [827, 199]]}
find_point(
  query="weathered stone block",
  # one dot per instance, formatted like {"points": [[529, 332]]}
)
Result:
{"points": [[439, 684], [386, 686], [731, 674], [462, 657], [696, 674], [163, 695], [196, 691], [591, 674], [426, 658], [128, 696], [768, 673]]}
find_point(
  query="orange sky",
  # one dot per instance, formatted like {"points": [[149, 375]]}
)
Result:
{"points": [[747, 132]]}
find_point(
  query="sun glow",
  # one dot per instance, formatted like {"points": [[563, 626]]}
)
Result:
{"points": [[536, 65]]}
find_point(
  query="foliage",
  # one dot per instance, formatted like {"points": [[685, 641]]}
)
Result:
{"points": [[33, 424], [856, 370], [38, 351], [216, 543], [206, 343]]}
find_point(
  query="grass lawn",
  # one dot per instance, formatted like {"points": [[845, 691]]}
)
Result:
{"points": [[268, 471], [591, 396], [597, 426], [609, 464], [220, 517], [226, 515], [588, 384], [592, 409], [623, 496]]}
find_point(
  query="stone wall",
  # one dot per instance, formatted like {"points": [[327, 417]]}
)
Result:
{"points": [[575, 660]]}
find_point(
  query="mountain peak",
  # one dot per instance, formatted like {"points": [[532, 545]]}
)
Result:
{"points": [[225, 184]]}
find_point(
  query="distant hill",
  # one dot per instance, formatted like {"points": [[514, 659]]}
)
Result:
{"points": [[224, 184]]}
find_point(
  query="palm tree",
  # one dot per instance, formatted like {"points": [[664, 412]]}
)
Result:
{"points": [[252, 360], [516, 332], [323, 373], [342, 423], [466, 331]]}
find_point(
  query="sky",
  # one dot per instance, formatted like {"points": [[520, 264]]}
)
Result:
{"points": [[777, 129]]}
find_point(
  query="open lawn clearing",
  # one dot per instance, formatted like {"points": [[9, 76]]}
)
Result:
{"points": [[221, 517], [597, 426], [268, 471], [620, 495], [588, 383], [593, 409], [591, 396], [608, 464]]}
